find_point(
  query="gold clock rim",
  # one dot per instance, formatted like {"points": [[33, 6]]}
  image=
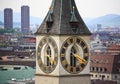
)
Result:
{"points": [[39, 60], [61, 55]]}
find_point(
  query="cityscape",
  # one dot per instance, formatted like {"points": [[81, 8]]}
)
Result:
{"points": [[19, 47]]}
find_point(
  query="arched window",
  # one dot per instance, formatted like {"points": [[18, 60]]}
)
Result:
{"points": [[72, 58], [48, 51]]}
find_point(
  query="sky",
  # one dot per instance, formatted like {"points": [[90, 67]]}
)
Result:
{"points": [[87, 8]]}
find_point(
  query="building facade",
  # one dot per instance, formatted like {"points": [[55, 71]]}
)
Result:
{"points": [[106, 66], [25, 20], [8, 18], [105, 57]]}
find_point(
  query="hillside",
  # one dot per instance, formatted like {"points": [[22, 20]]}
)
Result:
{"points": [[107, 20], [111, 20]]}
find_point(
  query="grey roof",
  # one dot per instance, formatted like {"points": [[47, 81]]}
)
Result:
{"points": [[61, 15]]}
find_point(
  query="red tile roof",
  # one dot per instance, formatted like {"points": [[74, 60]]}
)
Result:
{"points": [[108, 61], [114, 47]]}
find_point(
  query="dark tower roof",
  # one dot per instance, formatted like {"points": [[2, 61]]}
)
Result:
{"points": [[63, 19]]}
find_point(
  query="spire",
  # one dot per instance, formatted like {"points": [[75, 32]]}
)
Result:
{"points": [[73, 21], [73, 17], [63, 19]]}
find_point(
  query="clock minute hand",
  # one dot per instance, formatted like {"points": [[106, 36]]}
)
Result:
{"points": [[51, 60], [80, 59]]}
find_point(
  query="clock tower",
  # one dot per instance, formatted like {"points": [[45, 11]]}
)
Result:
{"points": [[62, 46]]}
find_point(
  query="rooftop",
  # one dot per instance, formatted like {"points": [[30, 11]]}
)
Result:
{"points": [[63, 19]]}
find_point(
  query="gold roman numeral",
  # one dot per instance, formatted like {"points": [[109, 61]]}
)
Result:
{"points": [[86, 54], [74, 39]]}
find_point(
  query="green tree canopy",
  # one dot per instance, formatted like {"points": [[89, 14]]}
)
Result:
{"points": [[9, 30]]}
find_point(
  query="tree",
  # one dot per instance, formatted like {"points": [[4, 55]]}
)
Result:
{"points": [[9, 30]]}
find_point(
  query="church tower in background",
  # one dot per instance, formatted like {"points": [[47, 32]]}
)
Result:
{"points": [[62, 46]]}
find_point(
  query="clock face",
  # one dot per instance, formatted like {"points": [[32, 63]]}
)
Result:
{"points": [[47, 54], [74, 55]]}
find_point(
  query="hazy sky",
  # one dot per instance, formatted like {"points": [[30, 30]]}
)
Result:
{"points": [[87, 8]]}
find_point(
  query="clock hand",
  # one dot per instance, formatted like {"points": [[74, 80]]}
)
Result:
{"points": [[51, 60], [79, 58]]}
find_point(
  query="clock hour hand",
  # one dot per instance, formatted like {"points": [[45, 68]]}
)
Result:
{"points": [[51, 60], [79, 58]]}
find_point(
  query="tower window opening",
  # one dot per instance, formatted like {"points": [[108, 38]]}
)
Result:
{"points": [[48, 51], [72, 58]]}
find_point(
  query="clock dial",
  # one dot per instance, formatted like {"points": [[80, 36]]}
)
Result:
{"points": [[47, 54], [74, 55]]}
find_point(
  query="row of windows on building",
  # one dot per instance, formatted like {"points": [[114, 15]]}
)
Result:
{"points": [[102, 69], [28, 47], [105, 76], [100, 61], [100, 76], [98, 69]]}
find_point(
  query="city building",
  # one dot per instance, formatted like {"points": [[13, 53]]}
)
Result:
{"points": [[103, 82], [2, 38], [105, 67], [99, 26], [113, 49], [28, 43], [105, 57], [99, 42], [8, 18], [25, 20], [17, 46]]}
